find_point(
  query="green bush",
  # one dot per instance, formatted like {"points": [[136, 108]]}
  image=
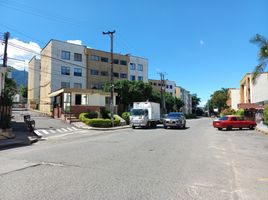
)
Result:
{"points": [[240, 112], [265, 114], [117, 121], [125, 116], [227, 111], [105, 113], [82, 116], [91, 114]]}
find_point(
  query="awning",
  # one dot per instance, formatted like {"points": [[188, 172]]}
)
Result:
{"points": [[56, 93], [250, 106]]}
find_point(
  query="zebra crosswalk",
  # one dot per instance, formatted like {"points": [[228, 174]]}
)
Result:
{"points": [[44, 132]]}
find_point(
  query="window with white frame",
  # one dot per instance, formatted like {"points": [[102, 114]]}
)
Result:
{"points": [[132, 77], [78, 57], [65, 70], [65, 55], [132, 66], [140, 67], [65, 85], [77, 71], [78, 85], [140, 78]]}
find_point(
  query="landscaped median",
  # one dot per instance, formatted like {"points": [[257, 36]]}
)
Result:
{"points": [[92, 121]]}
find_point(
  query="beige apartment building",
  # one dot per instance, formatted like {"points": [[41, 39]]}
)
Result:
{"points": [[245, 89], [34, 67], [99, 67], [186, 97]]}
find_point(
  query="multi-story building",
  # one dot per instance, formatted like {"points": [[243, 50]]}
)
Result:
{"points": [[34, 82], [63, 65], [99, 67], [168, 86], [245, 89], [233, 98], [259, 89], [137, 69], [186, 97]]}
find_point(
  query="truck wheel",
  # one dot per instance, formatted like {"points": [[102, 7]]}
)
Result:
{"points": [[165, 127], [251, 127], [133, 127], [219, 129]]}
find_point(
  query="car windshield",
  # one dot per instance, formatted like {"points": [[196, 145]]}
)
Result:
{"points": [[174, 115], [138, 112], [224, 118]]}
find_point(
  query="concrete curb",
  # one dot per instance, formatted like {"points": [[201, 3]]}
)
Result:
{"points": [[265, 132], [86, 127]]}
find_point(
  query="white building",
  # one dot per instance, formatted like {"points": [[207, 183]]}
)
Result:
{"points": [[170, 87], [138, 69], [259, 89], [186, 97], [233, 98], [63, 65]]}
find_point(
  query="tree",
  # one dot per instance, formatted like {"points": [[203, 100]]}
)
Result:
{"points": [[178, 104], [195, 102], [24, 91], [262, 42], [219, 99]]}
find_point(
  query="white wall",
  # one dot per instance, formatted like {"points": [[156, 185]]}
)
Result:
{"points": [[57, 77], [259, 90], [235, 98], [170, 90], [136, 72]]}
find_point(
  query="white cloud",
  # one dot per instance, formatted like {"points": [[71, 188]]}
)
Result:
{"points": [[201, 42], [75, 42], [15, 51]]}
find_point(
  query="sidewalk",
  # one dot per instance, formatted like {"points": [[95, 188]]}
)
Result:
{"points": [[262, 128], [22, 137]]}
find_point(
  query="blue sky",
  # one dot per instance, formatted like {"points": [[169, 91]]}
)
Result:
{"points": [[201, 45]]}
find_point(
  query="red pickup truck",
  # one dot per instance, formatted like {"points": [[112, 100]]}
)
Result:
{"points": [[231, 121]]}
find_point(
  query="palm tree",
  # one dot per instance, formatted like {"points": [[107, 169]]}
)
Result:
{"points": [[262, 42]]}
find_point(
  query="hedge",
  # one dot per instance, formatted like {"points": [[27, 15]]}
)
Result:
{"points": [[125, 116], [265, 115], [99, 122]]}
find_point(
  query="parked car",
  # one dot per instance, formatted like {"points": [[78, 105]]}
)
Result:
{"points": [[231, 121], [175, 119]]}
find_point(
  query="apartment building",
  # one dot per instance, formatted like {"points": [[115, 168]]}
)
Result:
{"points": [[233, 98], [99, 67], [259, 89], [186, 97], [137, 69], [63, 65], [34, 67], [168, 86], [245, 89]]}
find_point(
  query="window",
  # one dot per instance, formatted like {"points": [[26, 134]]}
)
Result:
{"points": [[140, 78], [65, 70], [151, 83], [167, 86], [78, 57], [104, 59], [65, 55], [95, 58], [65, 85], [78, 85], [132, 78], [170, 86], [116, 61], [78, 99], [132, 66], [154, 84], [94, 72], [77, 71], [123, 62], [116, 74], [104, 73], [140, 67], [159, 84], [123, 75]]}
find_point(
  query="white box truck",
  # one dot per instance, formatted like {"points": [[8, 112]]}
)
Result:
{"points": [[145, 114]]}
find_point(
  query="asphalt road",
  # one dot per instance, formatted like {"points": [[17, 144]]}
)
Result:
{"points": [[199, 162]]}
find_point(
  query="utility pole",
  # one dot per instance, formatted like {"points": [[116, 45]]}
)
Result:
{"points": [[162, 91], [111, 34], [6, 36]]}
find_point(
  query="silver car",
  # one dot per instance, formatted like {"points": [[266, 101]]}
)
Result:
{"points": [[175, 119]]}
